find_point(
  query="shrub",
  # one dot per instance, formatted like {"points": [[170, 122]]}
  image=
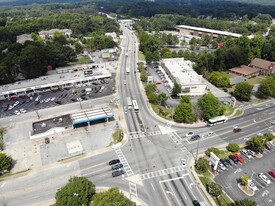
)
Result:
{"points": [[202, 165], [232, 147], [216, 151]]}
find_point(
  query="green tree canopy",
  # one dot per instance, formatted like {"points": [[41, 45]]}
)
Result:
{"points": [[79, 191], [243, 91], [267, 88], [244, 202], [202, 164], [176, 89], [5, 162], [185, 99], [112, 197], [219, 79], [184, 113], [144, 76], [162, 98], [214, 189], [244, 180], [150, 88], [256, 144], [210, 106], [233, 147], [153, 98]]}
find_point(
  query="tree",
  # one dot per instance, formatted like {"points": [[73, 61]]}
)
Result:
{"points": [[79, 191], [5, 162], [59, 38], [78, 48], [267, 88], [243, 91], [152, 97], [219, 79], [176, 89], [214, 189], [184, 113], [162, 98], [150, 88], [244, 180], [256, 144], [202, 165], [144, 76], [244, 202], [210, 106], [233, 147], [185, 99], [269, 136], [112, 197]]}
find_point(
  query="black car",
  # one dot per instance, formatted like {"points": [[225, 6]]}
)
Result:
{"points": [[58, 102], [234, 159], [224, 162], [115, 161], [195, 137], [73, 100], [117, 166], [117, 173], [229, 161], [47, 140], [196, 203]]}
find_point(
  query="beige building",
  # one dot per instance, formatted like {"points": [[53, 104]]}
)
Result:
{"points": [[50, 33]]}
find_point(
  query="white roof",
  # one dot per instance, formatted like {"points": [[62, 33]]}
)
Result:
{"points": [[219, 118], [219, 32], [182, 71]]}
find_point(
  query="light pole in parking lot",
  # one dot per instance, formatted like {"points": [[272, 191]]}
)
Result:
{"points": [[38, 116]]}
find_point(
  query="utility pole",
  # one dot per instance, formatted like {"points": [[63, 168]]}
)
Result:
{"points": [[38, 116], [197, 150]]}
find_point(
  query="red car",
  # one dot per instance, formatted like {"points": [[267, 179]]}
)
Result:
{"points": [[268, 147], [158, 82], [272, 173], [239, 157]]}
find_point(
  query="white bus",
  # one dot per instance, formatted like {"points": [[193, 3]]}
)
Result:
{"points": [[217, 120], [135, 105], [129, 102]]}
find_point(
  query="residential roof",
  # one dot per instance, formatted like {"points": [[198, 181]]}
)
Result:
{"points": [[52, 31], [23, 37], [244, 70], [261, 63], [225, 33]]}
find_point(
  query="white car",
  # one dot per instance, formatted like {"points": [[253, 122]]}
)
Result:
{"points": [[47, 100], [183, 162], [210, 134], [272, 143], [10, 107], [221, 166], [189, 134], [17, 112], [264, 178], [252, 186], [23, 110], [79, 99], [52, 99], [16, 103]]}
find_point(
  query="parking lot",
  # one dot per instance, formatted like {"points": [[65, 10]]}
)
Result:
{"points": [[79, 92], [230, 177]]}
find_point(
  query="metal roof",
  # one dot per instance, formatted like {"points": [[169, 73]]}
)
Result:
{"points": [[91, 115]]}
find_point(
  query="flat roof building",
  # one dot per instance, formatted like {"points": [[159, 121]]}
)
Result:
{"points": [[200, 32], [63, 77], [181, 71]]}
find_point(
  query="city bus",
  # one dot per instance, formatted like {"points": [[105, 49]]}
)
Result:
{"points": [[129, 102], [135, 105], [217, 120]]}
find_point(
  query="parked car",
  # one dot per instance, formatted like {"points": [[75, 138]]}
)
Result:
{"points": [[234, 159], [251, 152], [264, 178], [220, 165], [23, 110], [252, 186], [115, 161], [237, 129], [195, 137], [272, 173], [239, 157], [189, 134], [17, 112], [224, 162], [117, 173], [268, 146], [117, 166], [272, 143], [246, 154]]}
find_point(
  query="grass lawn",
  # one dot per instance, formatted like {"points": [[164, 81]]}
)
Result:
{"points": [[255, 80], [257, 101], [82, 60], [117, 136], [229, 110], [238, 113], [141, 56], [164, 109]]}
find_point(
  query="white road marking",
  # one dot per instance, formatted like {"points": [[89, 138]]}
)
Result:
{"points": [[153, 186], [3, 184], [174, 195], [177, 178], [188, 141], [184, 195]]}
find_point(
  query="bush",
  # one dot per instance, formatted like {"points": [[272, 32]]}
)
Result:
{"points": [[269, 136], [232, 147], [5, 162], [244, 180], [202, 165], [1, 139], [216, 151]]}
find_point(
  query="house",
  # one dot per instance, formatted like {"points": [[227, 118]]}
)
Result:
{"points": [[265, 67], [50, 33], [245, 71], [23, 38]]}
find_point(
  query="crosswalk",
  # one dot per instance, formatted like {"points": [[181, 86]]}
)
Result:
{"points": [[162, 172], [132, 189], [124, 161], [141, 135]]}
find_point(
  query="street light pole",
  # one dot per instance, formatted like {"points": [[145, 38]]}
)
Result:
{"points": [[197, 150]]}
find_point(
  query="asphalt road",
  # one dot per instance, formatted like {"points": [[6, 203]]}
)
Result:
{"points": [[152, 161]]}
